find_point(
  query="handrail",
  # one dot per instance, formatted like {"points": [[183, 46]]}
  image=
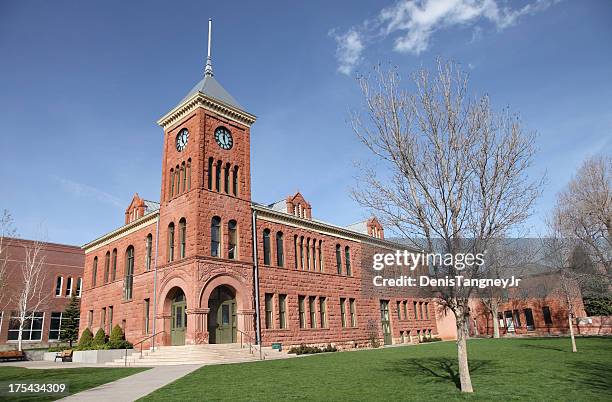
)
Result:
{"points": [[250, 343], [141, 342]]}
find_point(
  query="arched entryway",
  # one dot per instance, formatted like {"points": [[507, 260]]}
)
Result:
{"points": [[222, 323], [178, 310]]}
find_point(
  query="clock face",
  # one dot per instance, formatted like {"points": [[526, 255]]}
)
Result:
{"points": [[224, 138], [181, 139]]}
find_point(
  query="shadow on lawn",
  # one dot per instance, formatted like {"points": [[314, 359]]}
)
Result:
{"points": [[594, 374], [441, 369], [547, 347]]}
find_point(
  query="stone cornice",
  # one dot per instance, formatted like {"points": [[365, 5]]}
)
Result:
{"points": [[199, 100], [124, 230], [271, 215]]}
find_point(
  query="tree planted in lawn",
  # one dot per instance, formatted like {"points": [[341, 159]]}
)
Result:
{"points": [[70, 321], [447, 172]]}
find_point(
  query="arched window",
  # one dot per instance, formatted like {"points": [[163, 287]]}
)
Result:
{"points": [[215, 237], [149, 252], [171, 183], [339, 258], [184, 174], [79, 287], [94, 272], [69, 286], [321, 255], [182, 237], [280, 253], [106, 266], [226, 183], [295, 251], [308, 253], [266, 246], [314, 254], [188, 174], [232, 240], [235, 181], [302, 252], [129, 273], [177, 179], [114, 265], [347, 261], [218, 176], [58, 286], [171, 242], [210, 173]]}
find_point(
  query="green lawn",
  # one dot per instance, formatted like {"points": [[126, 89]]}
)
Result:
{"points": [[78, 379], [502, 369]]}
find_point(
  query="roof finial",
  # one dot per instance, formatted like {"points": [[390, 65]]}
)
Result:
{"points": [[208, 71]]}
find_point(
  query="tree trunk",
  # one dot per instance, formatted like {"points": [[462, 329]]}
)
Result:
{"points": [[20, 336], [571, 328], [494, 312], [462, 356]]}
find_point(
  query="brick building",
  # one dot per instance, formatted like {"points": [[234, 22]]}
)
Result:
{"points": [[62, 272], [203, 261]]}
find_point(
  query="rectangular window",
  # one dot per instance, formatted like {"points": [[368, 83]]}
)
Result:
{"points": [[529, 319], [302, 311], [32, 326], [110, 320], [295, 251], [268, 306], [313, 311], [421, 310], [147, 313], [353, 312], [427, 311], [416, 317], [55, 326], [103, 318], [323, 311], [547, 315], [343, 312], [79, 287], [405, 309], [58, 286], [399, 311], [517, 318], [282, 313], [69, 286], [90, 319]]}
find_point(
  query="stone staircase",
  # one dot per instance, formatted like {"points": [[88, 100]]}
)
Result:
{"points": [[198, 354]]}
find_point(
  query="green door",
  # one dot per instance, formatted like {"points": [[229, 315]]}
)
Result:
{"points": [[384, 319], [226, 322], [179, 320]]}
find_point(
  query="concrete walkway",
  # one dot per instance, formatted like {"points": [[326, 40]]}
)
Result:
{"points": [[135, 386]]}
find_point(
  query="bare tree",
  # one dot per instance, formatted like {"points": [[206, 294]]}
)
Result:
{"points": [[584, 210], [451, 173], [7, 233], [33, 293]]}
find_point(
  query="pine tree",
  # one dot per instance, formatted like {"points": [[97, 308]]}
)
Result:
{"points": [[70, 321]]}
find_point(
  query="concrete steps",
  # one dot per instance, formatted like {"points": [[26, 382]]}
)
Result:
{"points": [[197, 354]]}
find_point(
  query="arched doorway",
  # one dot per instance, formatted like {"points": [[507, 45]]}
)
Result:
{"points": [[178, 325], [222, 315]]}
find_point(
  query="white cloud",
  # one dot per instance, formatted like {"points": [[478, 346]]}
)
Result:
{"points": [[83, 190], [414, 22], [348, 51]]}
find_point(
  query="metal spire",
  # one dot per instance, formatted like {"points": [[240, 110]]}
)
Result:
{"points": [[208, 70]]}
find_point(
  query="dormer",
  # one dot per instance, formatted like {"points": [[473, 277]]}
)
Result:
{"points": [[294, 205], [375, 229], [139, 208], [371, 227]]}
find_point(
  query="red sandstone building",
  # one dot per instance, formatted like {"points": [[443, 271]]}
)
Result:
{"points": [[208, 265], [62, 272]]}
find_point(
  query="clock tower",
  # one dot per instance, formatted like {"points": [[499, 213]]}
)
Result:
{"points": [[205, 224]]}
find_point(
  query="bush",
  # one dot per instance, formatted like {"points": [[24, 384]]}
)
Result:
{"points": [[86, 339], [432, 339], [100, 338], [308, 350], [117, 339]]}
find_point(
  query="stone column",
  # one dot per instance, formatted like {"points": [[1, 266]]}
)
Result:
{"points": [[197, 324], [246, 322]]}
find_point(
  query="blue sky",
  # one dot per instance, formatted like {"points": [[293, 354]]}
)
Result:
{"points": [[82, 84]]}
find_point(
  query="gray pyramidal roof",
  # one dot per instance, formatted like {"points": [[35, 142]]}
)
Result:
{"points": [[211, 88]]}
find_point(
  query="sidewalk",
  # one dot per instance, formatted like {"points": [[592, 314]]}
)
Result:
{"points": [[135, 386]]}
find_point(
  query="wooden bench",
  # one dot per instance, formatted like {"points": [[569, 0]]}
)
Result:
{"points": [[12, 355], [65, 355]]}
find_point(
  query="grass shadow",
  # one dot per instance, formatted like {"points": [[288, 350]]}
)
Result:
{"points": [[546, 347], [440, 369], [594, 375]]}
